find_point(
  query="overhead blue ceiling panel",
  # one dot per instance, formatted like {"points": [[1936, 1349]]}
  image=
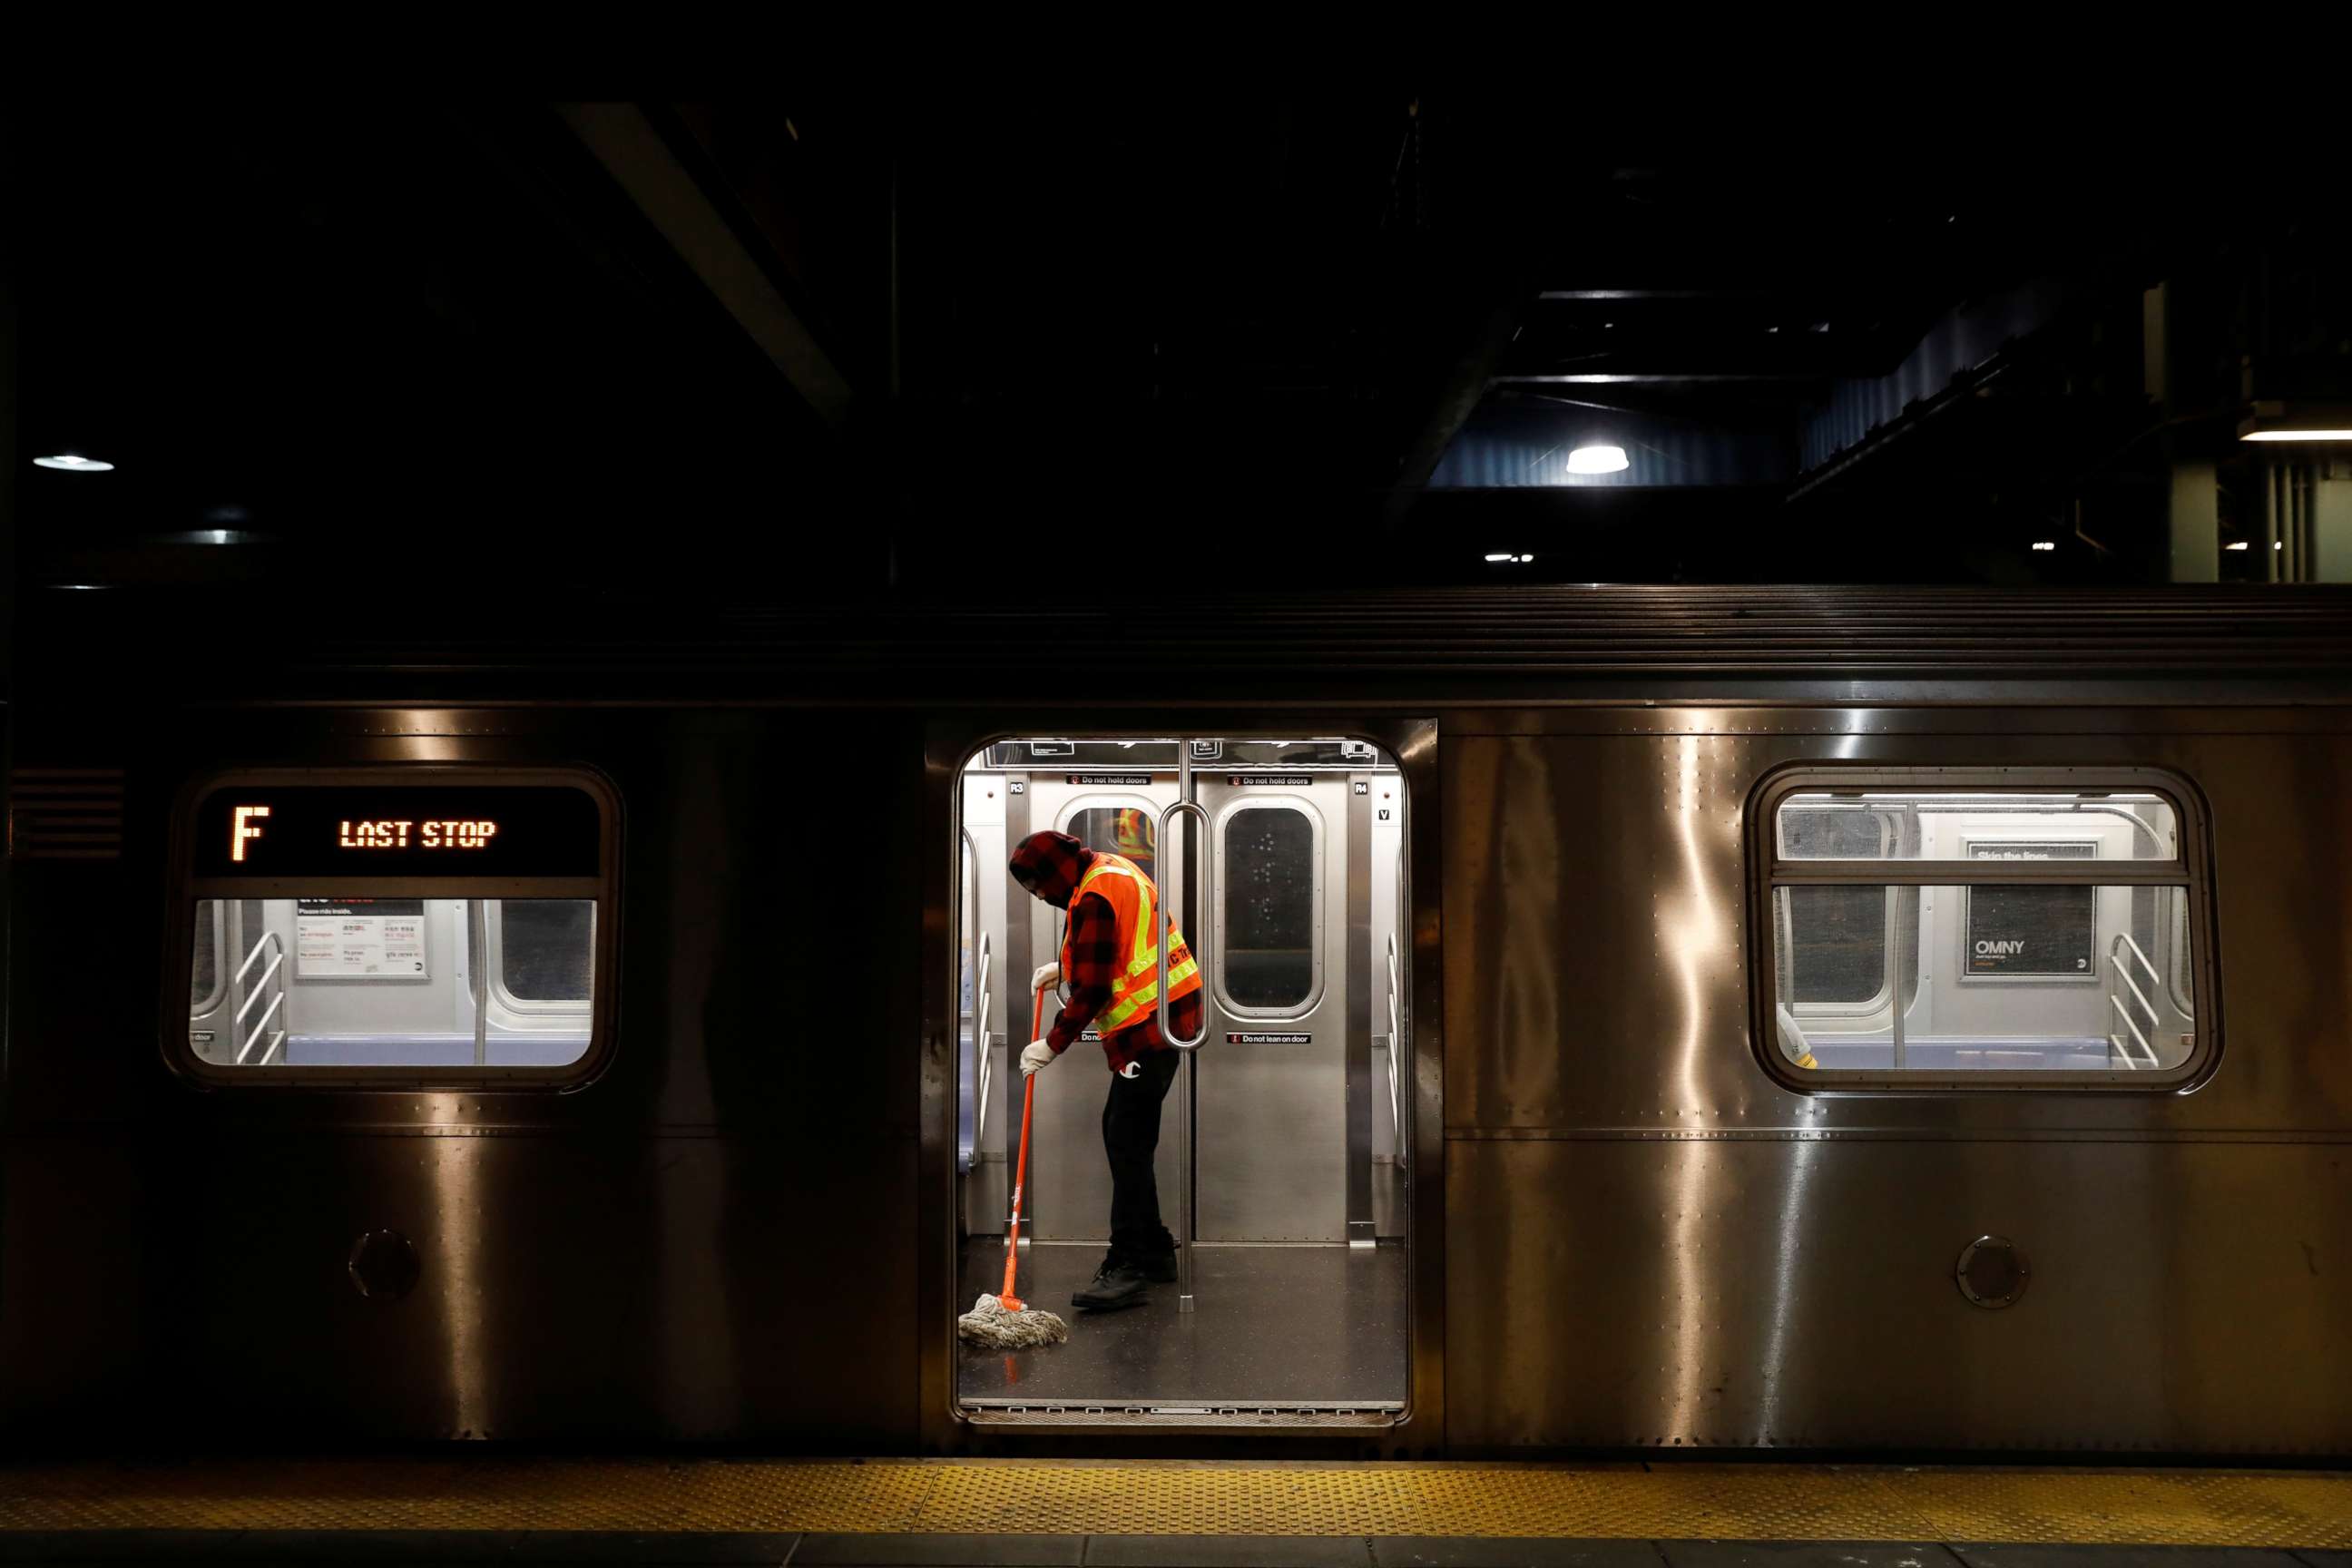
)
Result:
{"points": [[1509, 445]]}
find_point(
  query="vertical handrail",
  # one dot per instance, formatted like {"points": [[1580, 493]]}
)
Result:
{"points": [[262, 984], [1896, 898], [270, 942], [979, 996], [266, 938], [2125, 943], [268, 1013], [477, 949], [2115, 950], [2116, 1042], [1167, 919], [980, 1045], [1184, 805], [1396, 1037]]}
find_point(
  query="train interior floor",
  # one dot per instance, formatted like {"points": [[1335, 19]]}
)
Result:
{"points": [[1281, 1326], [473, 1506]]}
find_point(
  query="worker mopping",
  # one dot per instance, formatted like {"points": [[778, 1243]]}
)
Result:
{"points": [[1002, 1322]]}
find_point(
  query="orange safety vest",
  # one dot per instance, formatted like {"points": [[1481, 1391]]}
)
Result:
{"points": [[1135, 987]]}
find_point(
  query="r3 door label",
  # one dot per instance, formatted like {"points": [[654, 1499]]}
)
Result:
{"points": [[1269, 1039]]}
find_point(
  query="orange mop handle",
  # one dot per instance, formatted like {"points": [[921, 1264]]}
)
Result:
{"points": [[1021, 1172]]}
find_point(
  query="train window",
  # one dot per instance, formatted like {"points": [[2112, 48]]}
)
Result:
{"points": [[1925, 924], [430, 924], [401, 982], [1270, 880]]}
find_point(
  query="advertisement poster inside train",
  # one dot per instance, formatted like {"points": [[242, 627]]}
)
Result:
{"points": [[359, 939], [2045, 932]]}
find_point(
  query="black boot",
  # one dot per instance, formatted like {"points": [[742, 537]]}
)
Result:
{"points": [[1118, 1283], [1160, 1267]]}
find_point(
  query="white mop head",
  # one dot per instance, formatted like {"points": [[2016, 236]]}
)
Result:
{"points": [[988, 1323]]}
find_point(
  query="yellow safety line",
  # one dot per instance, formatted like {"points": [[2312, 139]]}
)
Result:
{"points": [[1754, 1502]]}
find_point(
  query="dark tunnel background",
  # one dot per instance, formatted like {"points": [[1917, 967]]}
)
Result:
{"points": [[502, 362]]}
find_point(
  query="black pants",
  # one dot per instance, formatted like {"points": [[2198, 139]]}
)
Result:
{"points": [[1131, 1137]]}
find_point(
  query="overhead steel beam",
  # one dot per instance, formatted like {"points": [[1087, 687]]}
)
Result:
{"points": [[1604, 294], [1467, 380], [626, 142], [1600, 378]]}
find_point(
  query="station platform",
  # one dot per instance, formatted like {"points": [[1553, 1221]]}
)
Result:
{"points": [[492, 1508]]}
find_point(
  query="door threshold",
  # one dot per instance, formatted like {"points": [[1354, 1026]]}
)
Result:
{"points": [[1182, 1415]]}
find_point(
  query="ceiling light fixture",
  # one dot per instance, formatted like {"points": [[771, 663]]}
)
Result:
{"points": [[2239, 545], [2045, 545], [1598, 460], [73, 463], [2296, 422]]}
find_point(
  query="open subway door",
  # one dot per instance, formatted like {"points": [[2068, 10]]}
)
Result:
{"points": [[1277, 1159]]}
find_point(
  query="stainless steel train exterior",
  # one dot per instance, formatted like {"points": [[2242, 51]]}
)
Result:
{"points": [[1631, 1224]]}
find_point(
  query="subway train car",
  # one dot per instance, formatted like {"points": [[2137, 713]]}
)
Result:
{"points": [[1709, 1020]]}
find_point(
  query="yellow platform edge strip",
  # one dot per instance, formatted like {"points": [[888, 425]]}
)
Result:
{"points": [[1748, 1502]]}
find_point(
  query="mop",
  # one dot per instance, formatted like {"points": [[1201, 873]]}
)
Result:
{"points": [[1002, 1322]]}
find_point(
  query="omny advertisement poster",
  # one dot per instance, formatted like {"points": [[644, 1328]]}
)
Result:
{"points": [[359, 939], [2041, 931]]}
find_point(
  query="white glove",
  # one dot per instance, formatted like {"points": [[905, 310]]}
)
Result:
{"points": [[1035, 1055], [1048, 974]]}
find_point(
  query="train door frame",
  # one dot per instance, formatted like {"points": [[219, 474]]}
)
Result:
{"points": [[1420, 1428]]}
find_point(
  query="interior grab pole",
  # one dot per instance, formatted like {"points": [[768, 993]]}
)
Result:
{"points": [[1168, 903]]}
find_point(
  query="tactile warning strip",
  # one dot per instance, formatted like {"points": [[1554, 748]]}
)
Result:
{"points": [[1753, 1502]]}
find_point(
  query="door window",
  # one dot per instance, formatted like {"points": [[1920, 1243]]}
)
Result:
{"points": [[1128, 831], [1270, 890]]}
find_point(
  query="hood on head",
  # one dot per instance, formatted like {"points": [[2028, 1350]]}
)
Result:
{"points": [[1049, 865]]}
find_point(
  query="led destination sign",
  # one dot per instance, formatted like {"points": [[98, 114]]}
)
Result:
{"points": [[428, 830], [395, 833]]}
